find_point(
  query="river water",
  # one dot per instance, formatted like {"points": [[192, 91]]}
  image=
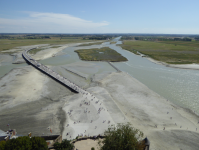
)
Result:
{"points": [[180, 86], [8, 66]]}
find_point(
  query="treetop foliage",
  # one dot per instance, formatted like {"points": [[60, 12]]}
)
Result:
{"points": [[24, 143], [122, 137], [65, 145]]}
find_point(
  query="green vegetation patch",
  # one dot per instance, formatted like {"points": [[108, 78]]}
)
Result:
{"points": [[102, 54], [64, 145], [6, 44], [183, 43], [24, 143], [173, 52], [122, 137]]}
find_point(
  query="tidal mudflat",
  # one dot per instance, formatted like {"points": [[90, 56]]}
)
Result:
{"points": [[32, 102]]}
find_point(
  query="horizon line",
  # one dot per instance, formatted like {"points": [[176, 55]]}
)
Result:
{"points": [[103, 33]]}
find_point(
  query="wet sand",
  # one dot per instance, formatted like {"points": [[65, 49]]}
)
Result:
{"points": [[43, 54], [47, 53], [124, 99], [119, 97], [145, 110], [32, 102], [17, 52]]}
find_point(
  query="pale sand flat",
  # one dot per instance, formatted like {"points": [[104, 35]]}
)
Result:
{"points": [[86, 144], [128, 100], [47, 53]]}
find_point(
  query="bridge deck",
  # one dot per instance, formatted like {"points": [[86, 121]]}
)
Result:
{"points": [[51, 73]]}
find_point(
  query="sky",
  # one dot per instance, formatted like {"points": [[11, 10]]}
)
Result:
{"points": [[100, 16]]}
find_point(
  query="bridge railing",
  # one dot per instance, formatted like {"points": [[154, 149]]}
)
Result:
{"points": [[50, 72]]}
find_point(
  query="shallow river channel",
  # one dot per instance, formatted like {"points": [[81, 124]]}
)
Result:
{"points": [[180, 86]]}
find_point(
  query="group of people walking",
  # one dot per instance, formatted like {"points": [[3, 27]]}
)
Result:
{"points": [[88, 97]]}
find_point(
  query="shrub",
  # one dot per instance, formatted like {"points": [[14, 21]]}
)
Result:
{"points": [[20, 143], [64, 145], [92, 148], [38, 143], [57, 146], [2, 145], [122, 137], [24, 143]]}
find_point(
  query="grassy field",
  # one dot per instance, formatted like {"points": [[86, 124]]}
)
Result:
{"points": [[102, 54], [183, 43], [6, 44], [89, 44], [173, 52]]}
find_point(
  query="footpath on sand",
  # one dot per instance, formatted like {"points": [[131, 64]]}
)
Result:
{"points": [[88, 115], [120, 98]]}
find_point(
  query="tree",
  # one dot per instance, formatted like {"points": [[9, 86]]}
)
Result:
{"points": [[64, 145], [122, 137], [20, 143], [2, 145], [38, 143], [24, 143]]}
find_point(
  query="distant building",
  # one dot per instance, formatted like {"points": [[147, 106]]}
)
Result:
{"points": [[10, 134]]}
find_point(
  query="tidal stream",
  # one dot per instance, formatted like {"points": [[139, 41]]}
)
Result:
{"points": [[180, 86]]}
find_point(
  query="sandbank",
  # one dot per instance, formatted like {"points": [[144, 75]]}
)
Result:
{"points": [[180, 66], [124, 99], [146, 109], [47, 53], [32, 102]]}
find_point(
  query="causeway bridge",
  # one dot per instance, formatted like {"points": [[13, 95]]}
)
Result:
{"points": [[73, 87]]}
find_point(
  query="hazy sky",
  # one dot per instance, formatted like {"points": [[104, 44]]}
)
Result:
{"points": [[99, 16]]}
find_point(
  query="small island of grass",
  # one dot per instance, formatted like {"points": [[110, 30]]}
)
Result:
{"points": [[102, 54], [171, 52]]}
